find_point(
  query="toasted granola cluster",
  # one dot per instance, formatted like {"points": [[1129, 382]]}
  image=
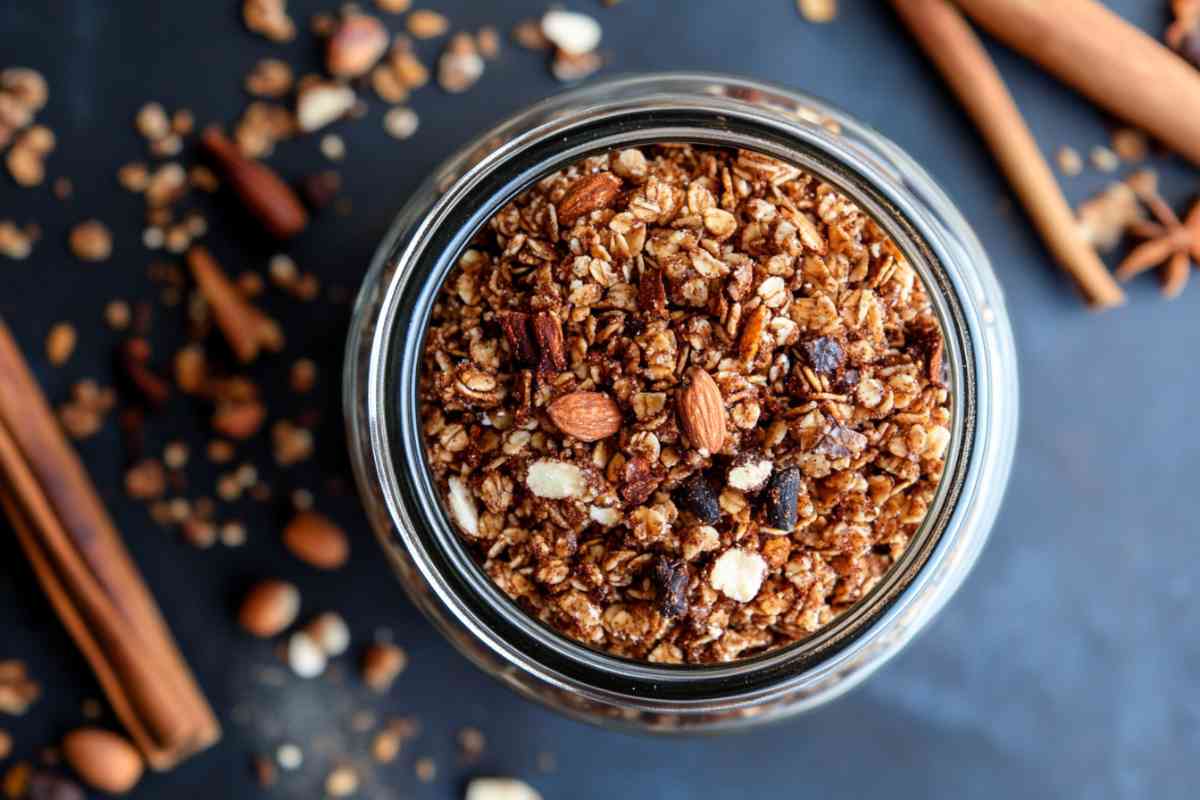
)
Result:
{"points": [[685, 405]]}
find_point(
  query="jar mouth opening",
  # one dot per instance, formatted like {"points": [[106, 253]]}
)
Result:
{"points": [[468, 203]]}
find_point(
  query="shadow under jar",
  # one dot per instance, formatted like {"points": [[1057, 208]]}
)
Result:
{"points": [[385, 353]]}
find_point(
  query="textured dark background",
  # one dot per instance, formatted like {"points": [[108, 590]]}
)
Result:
{"points": [[1068, 666]]}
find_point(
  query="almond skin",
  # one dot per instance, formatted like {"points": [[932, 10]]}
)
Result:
{"points": [[316, 540], [269, 608], [103, 760], [702, 411], [587, 416], [588, 194]]}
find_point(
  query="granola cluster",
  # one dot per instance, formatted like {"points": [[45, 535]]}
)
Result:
{"points": [[685, 405]]}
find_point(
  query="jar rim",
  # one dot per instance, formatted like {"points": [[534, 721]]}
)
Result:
{"points": [[426, 254]]}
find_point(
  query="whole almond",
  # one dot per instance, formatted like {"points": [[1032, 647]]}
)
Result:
{"points": [[359, 41], [588, 194], [269, 608], [588, 416], [316, 540], [702, 411], [103, 760]]}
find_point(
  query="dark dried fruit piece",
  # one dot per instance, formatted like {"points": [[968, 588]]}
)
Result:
{"points": [[321, 188], [697, 496], [823, 354], [652, 294], [847, 381], [841, 442], [671, 577], [780, 503], [519, 333], [588, 194], [548, 332]]}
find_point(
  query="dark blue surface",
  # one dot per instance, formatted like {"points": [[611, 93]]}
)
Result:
{"points": [[1068, 666]]}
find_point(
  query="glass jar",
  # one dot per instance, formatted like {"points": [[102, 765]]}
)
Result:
{"points": [[383, 359]]}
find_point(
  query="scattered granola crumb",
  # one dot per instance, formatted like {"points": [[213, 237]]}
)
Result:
{"points": [[264, 771], [426, 24], [269, 18], [1130, 145], [6, 744], [500, 789], [14, 242], [60, 343], [460, 65], [320, 188], [400, 122], [528, 34], [63, 188], [1070, 163], [382, 663], [342, 782], [1104, 218], [488, 40], [570, 68], [1104, 159], [91, 241], [152, 121], [303, 375], [332, 147], [16, 780], [304, 656], [394, 6], [471, 743], [571, 32], [91, 708], [289, 756], [818, 10], [269, 78], [426, 769], [17, 690]]}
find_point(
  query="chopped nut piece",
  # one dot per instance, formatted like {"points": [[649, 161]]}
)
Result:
{"points": [[382, 664], [1070, 163], [528, 34], [394, 6], [460, 65], [818, 10], [359, 41], [400, 123], [502, 788], [17, 691], [14, 243], [426, 24], [1104, 218], [269, 18], [152, 121], [60, 343], [750, 472], [426, 769], [26, 86], [738, 574], [289, 756], [571, 32], [488, 41], [471, 743], [333, 147], [1129, 144], [91, 241], [270, 608], [319, 103], [342, 782], [555, 480], [330, 633], [304, 656], [569, 68], [1104, 159]]}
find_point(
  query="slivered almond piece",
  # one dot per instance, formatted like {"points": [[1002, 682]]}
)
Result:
{"points": [[588, 194], [588, 416], [245, 327], [702, 412]]}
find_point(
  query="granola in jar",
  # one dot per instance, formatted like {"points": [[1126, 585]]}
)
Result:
{"points": [[684, 404]]}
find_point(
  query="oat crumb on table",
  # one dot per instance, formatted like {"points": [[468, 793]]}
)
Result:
{"points": [[685, 405]]}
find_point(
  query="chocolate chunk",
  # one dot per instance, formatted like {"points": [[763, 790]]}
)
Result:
{"points": [[823, 354], [780, 502], [671, 577], [841, 442], [697, 496], [47, 786], [848, 381]]}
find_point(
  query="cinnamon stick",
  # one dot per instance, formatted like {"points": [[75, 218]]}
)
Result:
{"points": [[953, 47], [1117, 65], [263, 192], [89, 577]]}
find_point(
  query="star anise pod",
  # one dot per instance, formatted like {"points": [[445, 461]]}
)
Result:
{"points": [[1183, 35], [1169, 241]]}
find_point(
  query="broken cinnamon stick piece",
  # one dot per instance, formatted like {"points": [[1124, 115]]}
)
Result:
{"points": [[263, 192], [956, 51], [245, 327], [1120, 67]]}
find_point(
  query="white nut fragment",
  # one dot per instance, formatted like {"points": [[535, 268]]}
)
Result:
{"points": [[330, 633], [571, 32], [738, 574], [462, 507], [305, 656], [555, 480], [500, 789], [322, 102], [750, 475], [605, 516]]}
